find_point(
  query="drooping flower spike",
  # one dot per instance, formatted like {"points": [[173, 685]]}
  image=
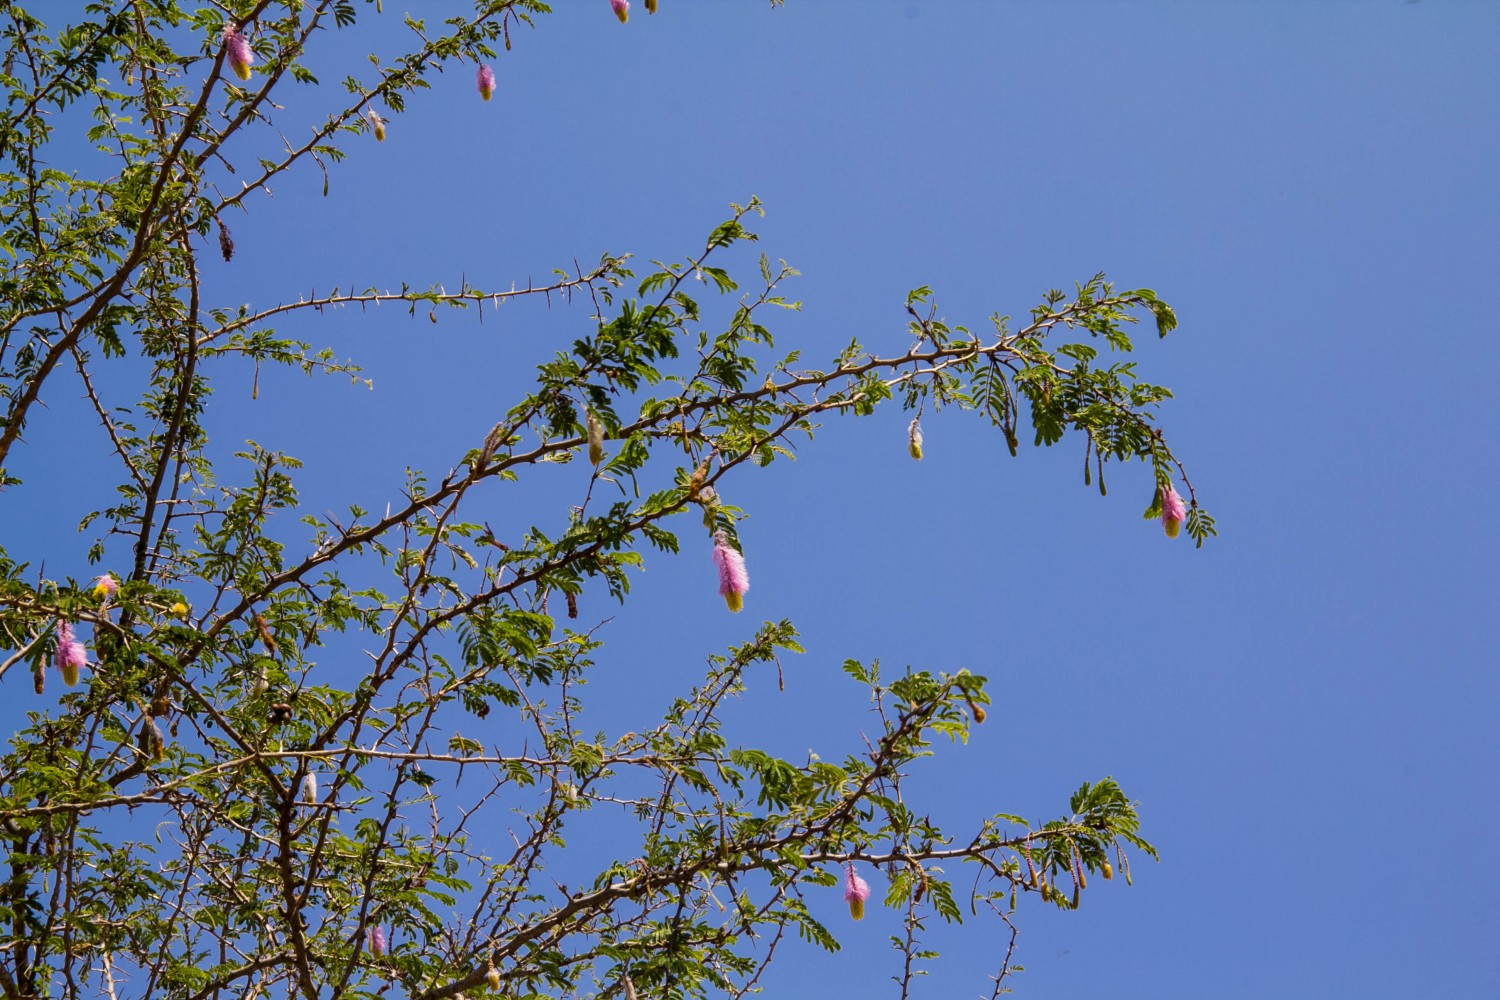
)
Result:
{"points": [[237, 51], [914, 438], [621, 9], [377, 123], [733, 578], [486, 81], [377, 941], [310, 788], [105, 586], [1173, 511], [856, 891], [69, 655]]}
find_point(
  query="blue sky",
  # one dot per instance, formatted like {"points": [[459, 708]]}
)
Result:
{"points": [[1305, 708]]}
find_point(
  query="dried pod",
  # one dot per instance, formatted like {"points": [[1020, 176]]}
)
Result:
{"points": [[267, 639], [226, 243], [572, 605], [596, 438]]}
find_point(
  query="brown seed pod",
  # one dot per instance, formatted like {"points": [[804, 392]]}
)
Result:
{"points": [[266, 638], [572, 605]]}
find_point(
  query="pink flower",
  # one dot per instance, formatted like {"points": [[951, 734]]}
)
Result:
{"points": [[105, 586], [486, 81], [70, 654], [733, 580], [377, 941], [1173, 512], [621, 9], [238, 51], [856, 891]]}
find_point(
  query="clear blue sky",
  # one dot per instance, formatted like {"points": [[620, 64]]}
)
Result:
{"points": [[1306, 708]]}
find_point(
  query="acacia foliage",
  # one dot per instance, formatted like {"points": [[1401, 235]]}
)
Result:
{"points": [[208, 814]]}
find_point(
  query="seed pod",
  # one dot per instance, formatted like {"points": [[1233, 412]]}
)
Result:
{"points": [[267, 639], [572, 605], [596, 438], [39, 679]]}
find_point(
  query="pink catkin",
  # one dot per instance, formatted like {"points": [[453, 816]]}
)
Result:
{"points": [[1173, 511], [377, 941], [856, 891], [105, 586], [486, 82], [70, 654], [238, 51], [621, 9], [733, 578]]}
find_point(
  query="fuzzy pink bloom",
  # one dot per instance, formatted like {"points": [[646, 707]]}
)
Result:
{"points": [[105, 586], [70, 654], [238, 51], [1173, 511], [621, 9], [733, 580], [377, 941], [856, 891], [486, 81]]}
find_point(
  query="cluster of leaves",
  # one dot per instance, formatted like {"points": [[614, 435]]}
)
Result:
{"points": [[294, 809]]}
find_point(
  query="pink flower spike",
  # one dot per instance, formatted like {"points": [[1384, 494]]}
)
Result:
{"points": [[377, 941], [733, 579], [856, 891], [1173, 511], [621, 9], [486, 81], [105, 586], [70, 654], [238, 51]]}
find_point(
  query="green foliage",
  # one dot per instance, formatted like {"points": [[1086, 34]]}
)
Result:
{"points": [[284, 744]]}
